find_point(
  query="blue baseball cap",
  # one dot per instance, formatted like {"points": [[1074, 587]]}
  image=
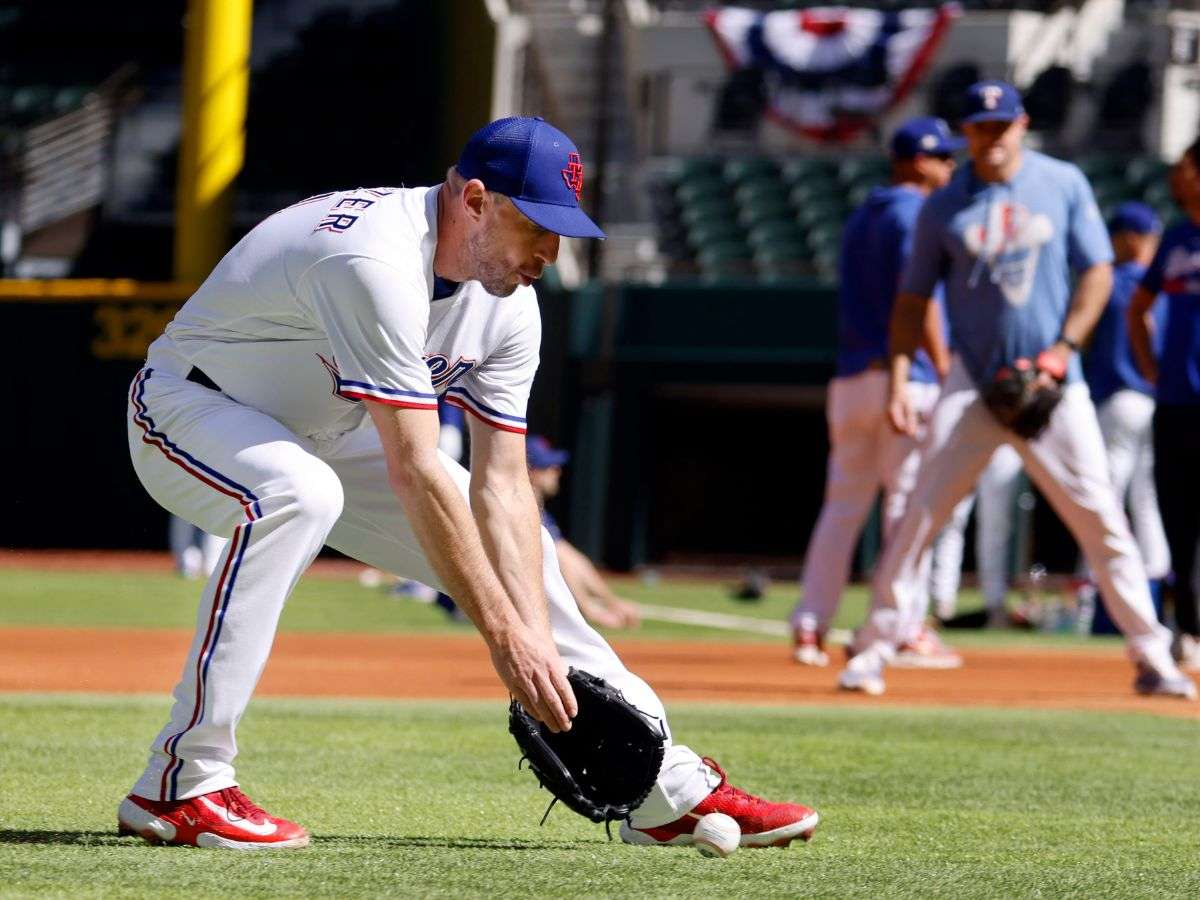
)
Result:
{"points": [[537, 167], [1135, 217], [993, 101], [541, 454], [924, 134]]}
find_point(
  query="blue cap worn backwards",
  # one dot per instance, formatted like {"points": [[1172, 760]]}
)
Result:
{"points": [[924, 134], [541, 454], [1133, 216], [993, 101], [537, 167]]}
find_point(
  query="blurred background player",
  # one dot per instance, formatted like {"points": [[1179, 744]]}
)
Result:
{"points": [[865, 455], [1174, 370], [194, 551], [1124, 399], [597, 602], [992, 500], [1002, 238]]}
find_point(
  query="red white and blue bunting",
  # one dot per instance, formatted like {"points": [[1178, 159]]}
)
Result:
{"points": [[831, 71]]}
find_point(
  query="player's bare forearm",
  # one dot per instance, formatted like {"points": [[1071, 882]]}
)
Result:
{"points": [[1140, 327], [441, 519], [1087, 303], [584, 578], [506, 512]]}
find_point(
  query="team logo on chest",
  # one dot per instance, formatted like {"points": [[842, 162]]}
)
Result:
{"points": [[444, 373], [1010, 242]]}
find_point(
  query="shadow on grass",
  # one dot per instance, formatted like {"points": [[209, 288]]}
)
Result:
{"points": [[81, 838], [444, 843]]}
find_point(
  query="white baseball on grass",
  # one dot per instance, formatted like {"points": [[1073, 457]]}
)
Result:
{"points": [[717, 835]]}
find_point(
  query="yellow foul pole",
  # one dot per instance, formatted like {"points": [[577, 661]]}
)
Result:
{"points": [[216, 77]]}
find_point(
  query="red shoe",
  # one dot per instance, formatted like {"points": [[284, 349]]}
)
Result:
{"points": [[225, 818], [763, 824]]}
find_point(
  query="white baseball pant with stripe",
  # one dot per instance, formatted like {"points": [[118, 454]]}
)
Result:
{"points": [[992, 500], [865, 454], [279, 497], [1068, 465], [1126, 420]]}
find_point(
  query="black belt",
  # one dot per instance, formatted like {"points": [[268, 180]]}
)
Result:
{"points": [[203, 380]]}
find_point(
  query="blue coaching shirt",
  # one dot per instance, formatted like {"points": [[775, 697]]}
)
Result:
{"points": [[1004, 253], [875, 243], [1175, 272], [1109, 365]]}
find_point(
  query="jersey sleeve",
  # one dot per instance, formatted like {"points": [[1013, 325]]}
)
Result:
{"points": [[1087, 238], [497, 390], [375, 315], [926, 257]]}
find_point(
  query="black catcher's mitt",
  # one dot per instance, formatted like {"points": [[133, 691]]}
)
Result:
{"points": [[604, 767], [1019, 400]]}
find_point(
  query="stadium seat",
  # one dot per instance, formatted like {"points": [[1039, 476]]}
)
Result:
{"points": [[864, 168], [699, 167], [773, 233], [1142, 171], [750, 168], [818, 189], [766, 209], [714, 231], [825, 212], [800, 169], [825, 239], [700, 188], [759, 188]]}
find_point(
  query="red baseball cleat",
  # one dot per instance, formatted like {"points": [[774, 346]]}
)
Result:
{"points": [[763, 824], [225, 818]]}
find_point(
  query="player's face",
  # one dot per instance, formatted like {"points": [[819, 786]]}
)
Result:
{"points": [[995, 144], [508, 249], [936, 169], [1185, 182], [546, 481]]}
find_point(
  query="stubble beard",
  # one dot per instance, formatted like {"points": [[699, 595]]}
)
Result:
{"points": [[490, 271]]}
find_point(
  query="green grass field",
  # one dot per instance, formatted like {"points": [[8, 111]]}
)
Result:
{"points": [[424, 799]]}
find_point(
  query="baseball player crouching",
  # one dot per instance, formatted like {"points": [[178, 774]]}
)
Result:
{"points": [[865, 454], [292, 403], [1003, 237]]}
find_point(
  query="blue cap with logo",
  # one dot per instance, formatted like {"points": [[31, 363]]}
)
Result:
{"points": [[924, 134], [541, 454], [1136, 217], [993, 101], [537, 167]]}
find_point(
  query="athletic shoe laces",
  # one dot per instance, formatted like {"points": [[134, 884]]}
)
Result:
{"points": [[728, 793], [242, 806]]}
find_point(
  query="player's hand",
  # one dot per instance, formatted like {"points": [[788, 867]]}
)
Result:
{"points": [[534, 673], [902, 416], [627, 610]]}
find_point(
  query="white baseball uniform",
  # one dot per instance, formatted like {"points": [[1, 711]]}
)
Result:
{"points": [[992, 500], [322, 305]]}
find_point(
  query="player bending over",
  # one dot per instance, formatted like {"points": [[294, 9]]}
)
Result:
{"points": [[292, 403]]}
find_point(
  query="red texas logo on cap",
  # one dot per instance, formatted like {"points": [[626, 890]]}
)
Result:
{"points": [[991, 96], [573, 174]]}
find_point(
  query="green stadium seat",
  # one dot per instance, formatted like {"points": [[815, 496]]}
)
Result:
{"points": [[826, 212], [809, 168], [815, 189], [1098, 165], [757, 189], [1158, 194], [764, 210], [700, 188], [749, 168], [825, 239], [698, 167], [714, 231], [1143, 171], [872, 168], [775, 232], [715, 208]]}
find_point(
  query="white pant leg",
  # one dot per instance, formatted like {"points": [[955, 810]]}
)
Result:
{"points": [[1068, 465], [994, 523], [235, 472], [855, 412], [1126, 419], [900, 467], [945, 577], [962, 437], [375, 530], [211, 548]]}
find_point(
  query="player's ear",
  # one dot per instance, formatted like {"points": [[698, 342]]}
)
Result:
{"points": [[474, 198]]}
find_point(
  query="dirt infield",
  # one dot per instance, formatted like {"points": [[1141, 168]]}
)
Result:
{"points": [[355, 665]]}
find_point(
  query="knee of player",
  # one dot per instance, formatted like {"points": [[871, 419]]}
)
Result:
{"points": [[315, 494]]}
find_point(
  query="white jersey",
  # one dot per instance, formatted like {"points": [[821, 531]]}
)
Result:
{"points": [[329, 302]]}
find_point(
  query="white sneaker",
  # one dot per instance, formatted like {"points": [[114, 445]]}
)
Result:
{"points": [[1189, 653], [926, 651], [1163, 682], [808, 647], [863, 673]]}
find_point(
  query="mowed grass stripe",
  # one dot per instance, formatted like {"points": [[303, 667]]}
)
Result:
{"points": [[424, 799]]}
